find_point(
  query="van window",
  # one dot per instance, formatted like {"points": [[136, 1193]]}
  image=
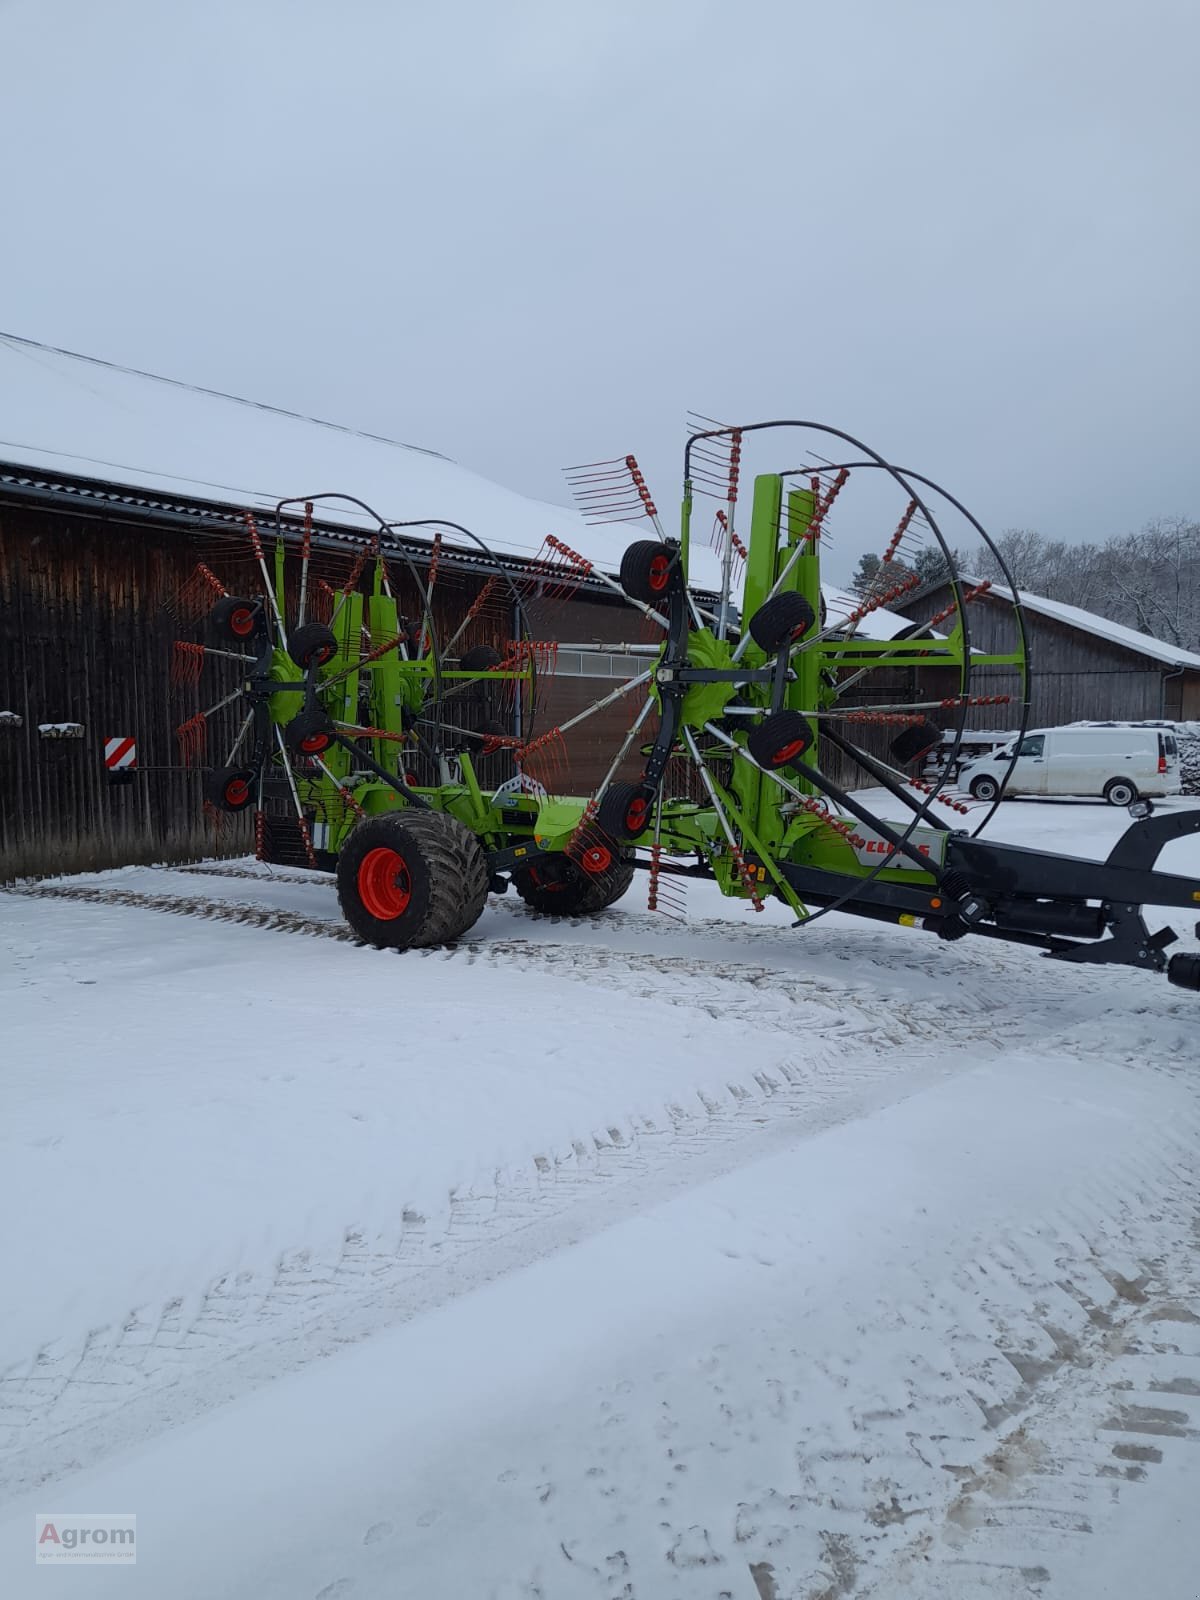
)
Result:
{"points": [[1170, 748], [1034, 745]]}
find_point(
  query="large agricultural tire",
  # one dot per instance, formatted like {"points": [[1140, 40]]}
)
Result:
{"points": [[412, 878], [561, 889], [646, 570], [607, 887], [781, 621]]}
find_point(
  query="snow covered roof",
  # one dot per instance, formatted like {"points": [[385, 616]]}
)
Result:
{"points": [[878, 624], [1144, 643], [74, 414]]}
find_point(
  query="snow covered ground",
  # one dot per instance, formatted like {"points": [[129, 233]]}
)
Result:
{"points": [[613, 1258]]}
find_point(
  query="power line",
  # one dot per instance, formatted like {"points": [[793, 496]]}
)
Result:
{"points": [[14, 339]]}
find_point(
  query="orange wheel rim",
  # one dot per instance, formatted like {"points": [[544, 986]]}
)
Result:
{"points": [[384, 883], [790, 751]]}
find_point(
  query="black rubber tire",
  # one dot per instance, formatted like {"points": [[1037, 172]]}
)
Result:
{"points": [[447, 874], [779, 740], [1120, 791], [606, 887], [314, 639], [562, 889], [985, 787], [624, 812], [309, 733], [1184, 971], [236, 619], [230, 789], [480, 658], [647, 569], [912, 744], [781, 621]]}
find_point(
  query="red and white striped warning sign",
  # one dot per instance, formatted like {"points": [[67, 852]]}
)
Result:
{"points": [[120, 754]]}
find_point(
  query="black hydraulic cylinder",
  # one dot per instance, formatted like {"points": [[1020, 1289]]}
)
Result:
{"points": [[1071, 919]]}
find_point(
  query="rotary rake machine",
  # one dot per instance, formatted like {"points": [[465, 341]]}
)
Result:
{"points": [[770, 738]]}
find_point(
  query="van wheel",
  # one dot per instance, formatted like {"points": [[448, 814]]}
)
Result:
{"points": [[1120, 792], [984, 788]]}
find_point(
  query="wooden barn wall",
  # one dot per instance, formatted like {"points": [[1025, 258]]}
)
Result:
{"points": [[85, 637], [590, 747], [89, 614], [1075, 676]]}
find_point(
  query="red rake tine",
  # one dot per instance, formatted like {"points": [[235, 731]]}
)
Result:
{"points": [[192, 736], [545, 759], [197, 594], [187, 663]]}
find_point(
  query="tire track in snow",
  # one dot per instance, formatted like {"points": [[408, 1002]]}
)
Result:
{"points": [[76, 1402], [965, 972], [1105, 1379], [853, 1056], [966, 1446], [715, 987]]}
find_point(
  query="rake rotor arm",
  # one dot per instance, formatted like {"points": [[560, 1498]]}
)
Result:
{"points": [[390, 778], [882, 775]]}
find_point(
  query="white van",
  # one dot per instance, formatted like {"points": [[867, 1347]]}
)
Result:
{"points": [[1119, 763]]}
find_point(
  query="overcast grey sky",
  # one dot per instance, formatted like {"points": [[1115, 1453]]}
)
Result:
{"points": [[536, 233]]}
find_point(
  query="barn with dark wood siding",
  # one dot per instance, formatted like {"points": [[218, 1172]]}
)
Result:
{"points": [[90, 580], [1082, 667], [115, 483]]}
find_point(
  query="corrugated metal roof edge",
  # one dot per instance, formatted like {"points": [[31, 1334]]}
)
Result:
{"points": [[58, 491]]}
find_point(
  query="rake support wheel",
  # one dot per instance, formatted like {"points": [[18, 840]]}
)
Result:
{"points": [[313, 642], [781, 621], [916, 742], [561, 889], [480, 658], [647, 568], [309, 733], [625, 810], [230, 789], [236, 620], [411, 879], [779, 740]]}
